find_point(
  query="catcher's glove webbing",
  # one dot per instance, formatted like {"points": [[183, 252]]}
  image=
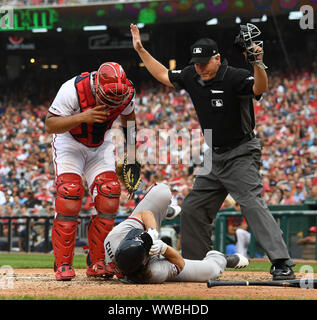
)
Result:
{"points": [[130, 174]]}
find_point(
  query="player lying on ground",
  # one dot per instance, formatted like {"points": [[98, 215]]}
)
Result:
{"points": [[137, 255]]}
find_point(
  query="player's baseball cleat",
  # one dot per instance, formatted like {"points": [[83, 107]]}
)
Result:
{"points": [[64, 272], [281, 271], [172, 212], [236, 261], [99, 269]]}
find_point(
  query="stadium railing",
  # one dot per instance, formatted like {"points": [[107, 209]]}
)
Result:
{"points": [[292, 219], [12, 223]]}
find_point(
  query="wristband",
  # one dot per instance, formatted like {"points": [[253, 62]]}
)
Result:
{"points": [[153, 233], [261, 65], [164, 248]]}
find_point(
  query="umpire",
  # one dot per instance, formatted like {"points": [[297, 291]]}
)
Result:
{"points": [[222, 97]]}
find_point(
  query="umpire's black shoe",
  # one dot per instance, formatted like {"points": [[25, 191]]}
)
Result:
{"points": [[281, 271], [236, 261]]}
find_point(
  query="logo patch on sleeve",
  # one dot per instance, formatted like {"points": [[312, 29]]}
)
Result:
{"points": [[217, 103]]}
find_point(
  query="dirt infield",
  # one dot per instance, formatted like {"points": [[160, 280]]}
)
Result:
{"points": [[40, 283]]}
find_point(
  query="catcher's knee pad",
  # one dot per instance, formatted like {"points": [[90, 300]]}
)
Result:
{"points": [[63, 241], [108, 191], [69, 193]]}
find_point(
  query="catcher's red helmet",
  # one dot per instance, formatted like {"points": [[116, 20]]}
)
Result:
{"points": [[111, 85]]}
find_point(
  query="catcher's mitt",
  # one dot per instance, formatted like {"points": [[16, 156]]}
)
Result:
{"points": [[129, 174]]}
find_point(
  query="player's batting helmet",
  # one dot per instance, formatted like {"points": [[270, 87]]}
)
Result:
{"points": [[133, 251], [111, 85]]}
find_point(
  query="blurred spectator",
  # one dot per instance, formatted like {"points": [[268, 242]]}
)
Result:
{"points": [[238, 235], [309, 244], [268, 194], [313, 193], [277, 196], [175, 194], [32, 200], [32, 239], [299, 193], [179, 200], [3, 199], [288, 197], [228, 202]]}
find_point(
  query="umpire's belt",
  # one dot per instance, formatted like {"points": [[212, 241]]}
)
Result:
{"points": [[224, 149]]}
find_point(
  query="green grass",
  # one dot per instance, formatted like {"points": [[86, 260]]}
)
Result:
{"points": [[259, 266], [31, 260]]}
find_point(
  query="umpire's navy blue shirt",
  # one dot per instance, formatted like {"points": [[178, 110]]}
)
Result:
{"points": [[223, 104]]}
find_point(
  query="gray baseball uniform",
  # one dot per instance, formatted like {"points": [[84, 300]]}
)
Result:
{"points": [[157, 200]]}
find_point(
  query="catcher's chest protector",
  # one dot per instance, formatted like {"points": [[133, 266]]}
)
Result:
{"points": [[92, 135]]}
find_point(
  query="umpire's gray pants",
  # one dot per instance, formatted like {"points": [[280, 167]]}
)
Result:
{"points": [[235, 172]]}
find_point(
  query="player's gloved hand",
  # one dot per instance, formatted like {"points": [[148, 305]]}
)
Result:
{"points": [[158, 247], [153, 234], [129, 174]]}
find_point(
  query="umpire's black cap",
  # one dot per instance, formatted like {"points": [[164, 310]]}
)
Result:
{"points": [[202, 50], [133, 251]]}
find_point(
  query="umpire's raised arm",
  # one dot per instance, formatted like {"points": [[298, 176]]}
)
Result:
{"points": [[158, 71], [260, 77]]}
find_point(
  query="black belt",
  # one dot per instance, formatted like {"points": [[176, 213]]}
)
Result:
{"points": [[224, 149]]}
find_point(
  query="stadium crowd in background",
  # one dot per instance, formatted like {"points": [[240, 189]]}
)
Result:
{"points": [[287, 127]]}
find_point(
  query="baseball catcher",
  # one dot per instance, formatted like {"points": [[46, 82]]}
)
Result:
{"points": [[79, 119], [135, 254]]}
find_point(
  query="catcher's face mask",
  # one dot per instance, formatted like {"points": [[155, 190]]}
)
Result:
{"points": [[245, 41], [110, 85]]}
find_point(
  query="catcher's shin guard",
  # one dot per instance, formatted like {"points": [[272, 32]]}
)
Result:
{"points": [[106, 203], [63, 240], [98, 229], [70, 191]]}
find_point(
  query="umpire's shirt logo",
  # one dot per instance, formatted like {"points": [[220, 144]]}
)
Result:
{"points": [[217, 103]]}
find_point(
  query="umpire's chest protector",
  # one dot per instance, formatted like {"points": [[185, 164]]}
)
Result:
{"points": [[91, 135]]}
